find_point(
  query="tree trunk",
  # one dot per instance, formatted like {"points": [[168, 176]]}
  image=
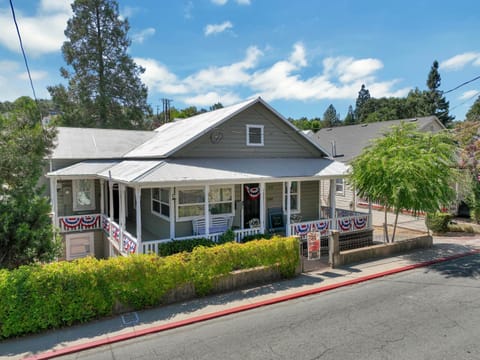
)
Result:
{"points": [[385, 225], [397, 211]]}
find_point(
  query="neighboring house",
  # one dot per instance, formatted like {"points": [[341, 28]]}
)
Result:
{"points": [[243, 167], [344, 143]]}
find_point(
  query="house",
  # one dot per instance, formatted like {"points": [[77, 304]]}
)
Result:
{"points": [[243, 167], [344, 143]]}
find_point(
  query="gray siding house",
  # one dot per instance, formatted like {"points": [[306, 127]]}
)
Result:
{"points": [[242, 167], [344, 143]]}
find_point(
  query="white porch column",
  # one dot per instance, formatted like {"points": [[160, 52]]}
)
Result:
{"points": [[102, 196], [333, 204], [121, 217], [370, 214], [172, 213], [53, 200], [263, 199], [138, 219], [289, 200], [207, 212], [319, 199], [111, 216]]}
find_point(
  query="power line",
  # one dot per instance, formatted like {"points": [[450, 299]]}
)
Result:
{"points": [[463, 84], [467, 100], [23, 52]]}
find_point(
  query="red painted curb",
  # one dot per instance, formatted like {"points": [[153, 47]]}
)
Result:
{"points": [[217, 314]]}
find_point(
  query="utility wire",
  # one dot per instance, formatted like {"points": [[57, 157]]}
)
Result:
{"points": [[467, 100], [463, 84], [24, 55]]}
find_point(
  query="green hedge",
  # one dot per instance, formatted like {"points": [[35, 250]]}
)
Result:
{"points": [[438, 222], [38, 297]]}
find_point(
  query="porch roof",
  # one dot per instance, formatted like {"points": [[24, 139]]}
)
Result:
{"points": [[90, 168], [213, 170]]}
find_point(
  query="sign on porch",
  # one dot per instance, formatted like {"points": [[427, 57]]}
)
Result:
{"points": [[313, 245]]}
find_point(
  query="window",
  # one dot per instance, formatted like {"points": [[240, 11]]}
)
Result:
{"points": [[191, 203], [220, 200], [79, 245], [255, 135], [294, 197], [83, 195], [161, 202], [340, 186]]}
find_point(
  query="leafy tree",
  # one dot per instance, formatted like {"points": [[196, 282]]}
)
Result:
{"points": [[436, 102], [216, 106], [350, 118], [26, 230], [104, 87], [473, 114], [331, 117], [360, 110], [406, 169]]}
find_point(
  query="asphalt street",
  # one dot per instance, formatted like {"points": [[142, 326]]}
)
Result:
{"points": [[426, 313]]}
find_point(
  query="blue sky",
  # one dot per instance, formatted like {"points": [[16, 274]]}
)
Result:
{"points": [[300, 56]]}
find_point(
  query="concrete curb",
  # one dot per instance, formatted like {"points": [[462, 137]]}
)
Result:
{"points": [[196, 319]]}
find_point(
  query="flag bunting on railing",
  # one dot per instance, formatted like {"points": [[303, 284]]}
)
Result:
{"points": [[253, 191]]}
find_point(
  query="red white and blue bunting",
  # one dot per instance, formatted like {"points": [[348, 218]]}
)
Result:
{"points": [[252, 191], [360, 222], [345, 224], [80, 222]]}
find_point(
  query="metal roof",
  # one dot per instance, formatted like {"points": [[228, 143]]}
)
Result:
{"points": [[350, 140], [92, 143], [220, 170]]}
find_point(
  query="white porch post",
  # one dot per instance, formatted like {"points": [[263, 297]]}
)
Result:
{"points": [[102, 196], [138, 219], [121, 218], [53, 200], [333, 204], [172, 213], [370, 214], [319, 199], [289, 200], [111, 216], [207, 212], [263, 199]]}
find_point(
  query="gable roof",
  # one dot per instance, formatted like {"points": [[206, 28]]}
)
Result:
{"points": [[93, 143], [175, 135], [347, 142]]}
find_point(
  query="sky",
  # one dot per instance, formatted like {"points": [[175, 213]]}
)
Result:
{"points": [[300, 56]]}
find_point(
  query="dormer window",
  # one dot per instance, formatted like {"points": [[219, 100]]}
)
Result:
{"points": [[255, 135]]}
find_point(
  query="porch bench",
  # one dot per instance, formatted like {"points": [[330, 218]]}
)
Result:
{"points": [[218, 224]]}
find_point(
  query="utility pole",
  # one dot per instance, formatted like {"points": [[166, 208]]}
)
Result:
{"points": [[166, 109]]}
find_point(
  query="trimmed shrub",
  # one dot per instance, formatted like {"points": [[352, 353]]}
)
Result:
{"points": [[38, 297], [438, 222], [177, 246]]}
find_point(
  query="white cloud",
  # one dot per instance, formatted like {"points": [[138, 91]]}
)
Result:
{"points": [[159, 79], [36, 75], [212, 29], [224, 2], [219, 2], [188, 9], [298, 55], [211, 98], [467, 95], [14, 75], [41, 33], [349, 69], [140, 37], [457, 62]]}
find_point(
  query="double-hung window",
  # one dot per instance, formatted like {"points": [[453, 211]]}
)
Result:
{"points": [[220, 200], [83, 194], [340, 186], [294, 197], [255, 135], [161, 202], [191, 203]]}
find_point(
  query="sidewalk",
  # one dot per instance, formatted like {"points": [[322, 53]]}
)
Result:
{"points": [[56, 342]]}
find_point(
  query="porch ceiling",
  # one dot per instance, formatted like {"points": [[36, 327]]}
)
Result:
{"points": [[212, 170]]}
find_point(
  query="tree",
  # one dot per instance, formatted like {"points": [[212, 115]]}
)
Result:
{"points": [[473, 114], [350, 118], [362, 99], [26, 230], [104, 87], [331, 117], [406, 169], [436, 102]]}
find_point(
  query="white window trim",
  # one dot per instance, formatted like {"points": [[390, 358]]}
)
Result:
{"points": [[340, 192], [262, 135], [298, 193], [232, 201], [159, 214], [68, 238], [75, 189], [177, 204]]}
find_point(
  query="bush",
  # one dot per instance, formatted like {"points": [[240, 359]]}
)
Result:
{"points": [[177, 246], [38, 297], [438, 222]]}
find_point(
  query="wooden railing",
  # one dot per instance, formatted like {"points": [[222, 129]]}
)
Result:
{"points": [[79, 222], [123, 241]]}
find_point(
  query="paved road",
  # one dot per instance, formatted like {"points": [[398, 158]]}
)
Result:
{"points": [[428, 313]]}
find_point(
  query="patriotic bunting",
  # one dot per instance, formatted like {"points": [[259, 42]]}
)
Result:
{"points": [[252, 191]]}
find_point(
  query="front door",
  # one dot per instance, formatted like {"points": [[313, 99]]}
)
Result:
{"points": [[251, 203]]}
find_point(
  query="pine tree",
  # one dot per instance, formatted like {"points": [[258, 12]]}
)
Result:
{"points": [[331, 117], [473, 114], [436, 102], [362, 99], [104, 87], [350, 118]]}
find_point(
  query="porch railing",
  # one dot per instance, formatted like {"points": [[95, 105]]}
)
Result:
{"points": [[80, 222], [123, 241], [352, 222]]}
